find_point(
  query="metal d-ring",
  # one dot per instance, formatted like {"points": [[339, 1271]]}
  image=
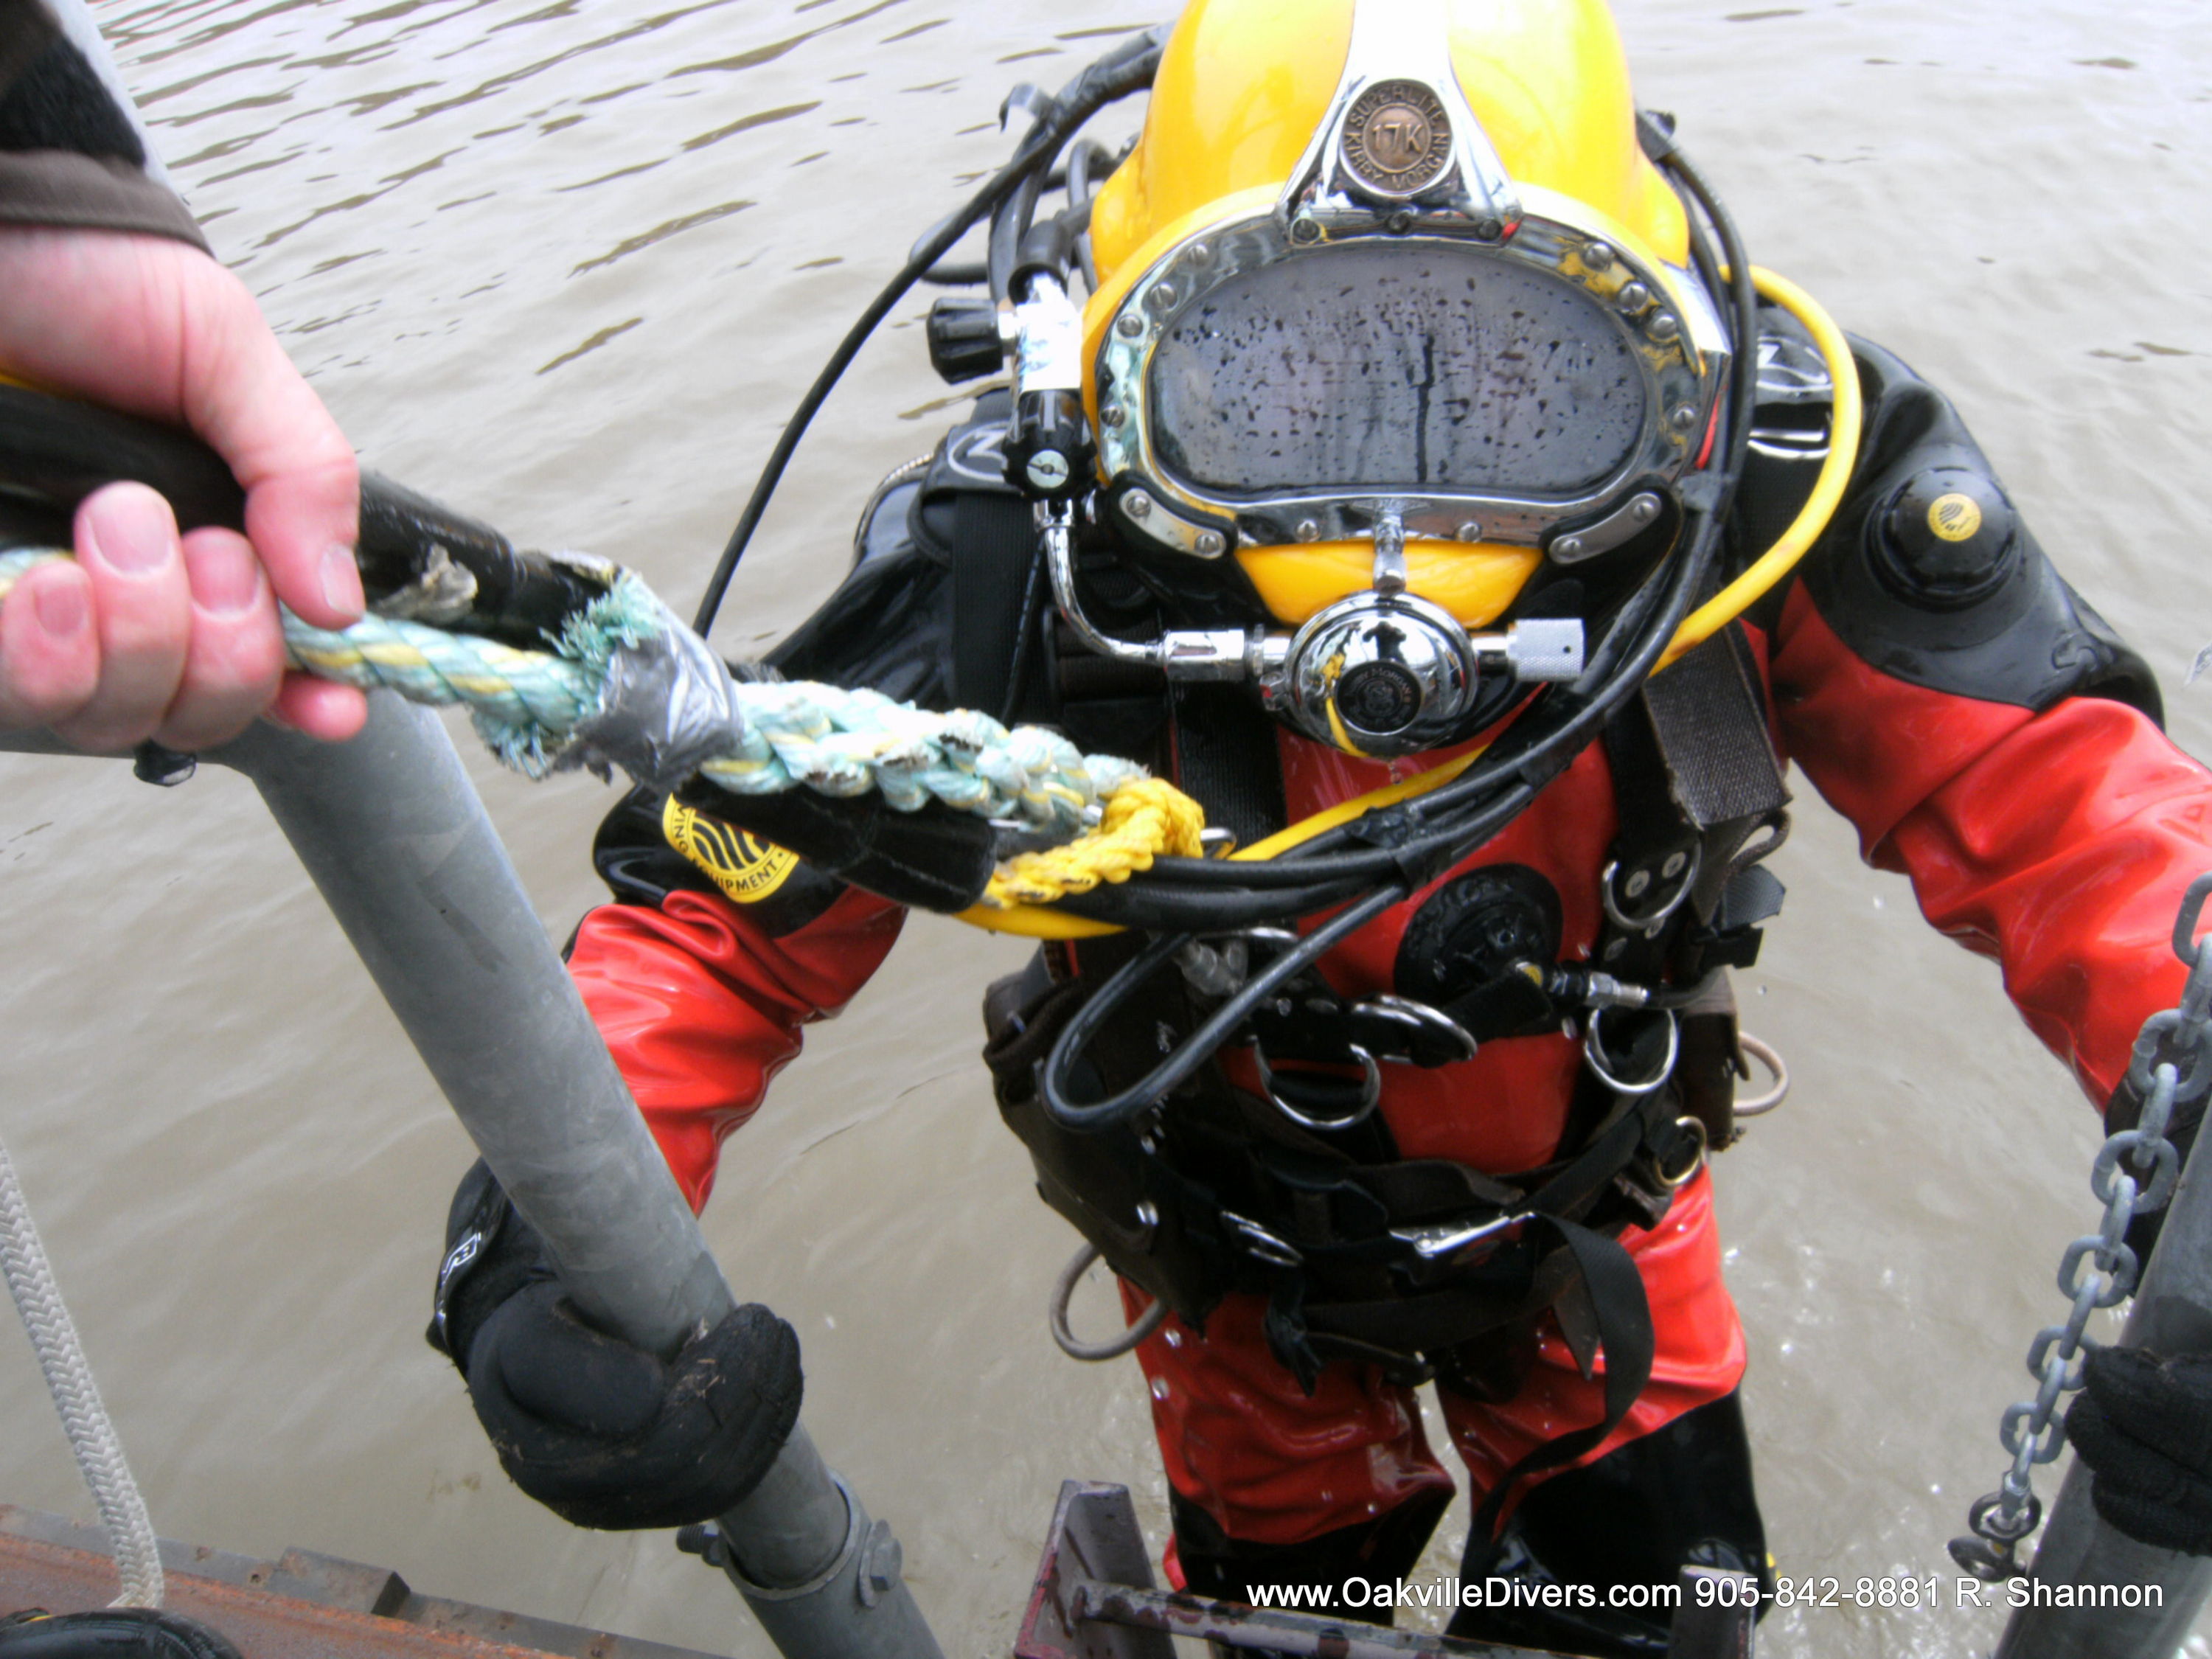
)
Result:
{"points": [[1696, 1126], [1644, 924], [1594, 1055], [1063, 1291], [1417, 1016], [1370, 1090], [1760, 1105]]}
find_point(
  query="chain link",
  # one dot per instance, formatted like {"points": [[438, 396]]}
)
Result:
{"points": [[2135, 1172]]}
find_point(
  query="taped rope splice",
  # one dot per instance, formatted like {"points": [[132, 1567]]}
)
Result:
{"points": [[627, 684]]}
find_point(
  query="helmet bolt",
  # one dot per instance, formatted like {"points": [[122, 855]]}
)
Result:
{"points": [[1469, 532], [1307, 530], [1131, 325], [1200, 253], [1113, 415], [1637, 884], [1162, 296], [1598, 255], [1683, 417], [1137, 504], [1047, 470], [1400, 223], [1489, 230], [1666, 326], [1633, 296], [1675, 864], [1567, 549], [1304, 230], [1212, 543]]}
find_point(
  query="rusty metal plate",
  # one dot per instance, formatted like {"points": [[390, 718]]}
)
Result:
{"points": [[301, 1606]]}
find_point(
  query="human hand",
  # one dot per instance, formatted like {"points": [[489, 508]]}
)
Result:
{"points": [[2144, 1425], [149, 634]]}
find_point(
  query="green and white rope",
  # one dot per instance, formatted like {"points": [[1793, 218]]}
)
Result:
{"points": [[528, 706]]}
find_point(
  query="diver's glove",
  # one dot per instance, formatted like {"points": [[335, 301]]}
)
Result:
{"points": [[602, 1433], [2144, 1425]]}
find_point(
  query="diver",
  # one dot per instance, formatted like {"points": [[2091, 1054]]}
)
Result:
{"points": [[1426, 485]]}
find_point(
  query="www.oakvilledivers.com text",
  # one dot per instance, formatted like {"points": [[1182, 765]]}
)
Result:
{"points": [[1363, 1595], [1360, 1594]]}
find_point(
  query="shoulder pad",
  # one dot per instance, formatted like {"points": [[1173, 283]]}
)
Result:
{"points": [[1927, 573], [651, 846]]}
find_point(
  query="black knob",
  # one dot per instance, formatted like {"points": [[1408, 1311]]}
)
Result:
{"points": [[1947, 536], [963, 338]]}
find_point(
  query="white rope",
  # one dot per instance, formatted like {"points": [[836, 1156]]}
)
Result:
{"points": [[92, 1434]]}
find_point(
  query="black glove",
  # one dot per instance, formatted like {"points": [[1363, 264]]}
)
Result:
{"points": [[2144, 1427], [602, 1433]]}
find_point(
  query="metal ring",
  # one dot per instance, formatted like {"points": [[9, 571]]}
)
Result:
{"points": [[1370, 1090], [1628, 924], [1419, 1016], [1063, 1291], [1594, 1052], [1696, 1126], [1763, 1053]]}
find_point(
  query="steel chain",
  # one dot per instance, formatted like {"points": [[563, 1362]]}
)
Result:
{"points": [[2135, 1174]]}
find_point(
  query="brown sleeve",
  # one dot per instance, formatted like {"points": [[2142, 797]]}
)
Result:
{"points": [[69, 154]]}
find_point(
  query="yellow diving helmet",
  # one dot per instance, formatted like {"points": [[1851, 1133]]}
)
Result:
{"points": [[1395, 319]]}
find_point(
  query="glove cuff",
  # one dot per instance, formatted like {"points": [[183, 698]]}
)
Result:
{"points": [[491, 1253]]}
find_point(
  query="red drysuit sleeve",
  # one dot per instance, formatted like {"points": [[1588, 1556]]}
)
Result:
{"points": [[699, 1008], [2058, 843]]}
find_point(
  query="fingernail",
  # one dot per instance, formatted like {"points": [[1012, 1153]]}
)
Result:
{"points": [[132, 531], [342, 580], [62, 610], [225, 576]]}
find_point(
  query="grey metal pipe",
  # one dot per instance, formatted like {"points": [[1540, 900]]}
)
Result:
{"points": [[392, 833], [2173, 1315]]}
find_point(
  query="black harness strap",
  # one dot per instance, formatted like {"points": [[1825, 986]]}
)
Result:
{"points": [[1226, 760], [1622, 1314], [995, 548]]}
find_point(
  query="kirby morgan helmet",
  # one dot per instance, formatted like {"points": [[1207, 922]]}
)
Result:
{"points": [[1396, 318]]}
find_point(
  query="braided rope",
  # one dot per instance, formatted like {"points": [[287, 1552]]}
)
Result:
{"points": [[1144, 818], [91, 1433], [526, 705]]}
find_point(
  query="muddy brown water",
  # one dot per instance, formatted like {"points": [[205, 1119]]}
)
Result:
{"points": [[567, 265]]}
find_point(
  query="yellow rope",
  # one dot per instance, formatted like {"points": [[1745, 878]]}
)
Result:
{"points": [[1143, 819], [1746, 591]]}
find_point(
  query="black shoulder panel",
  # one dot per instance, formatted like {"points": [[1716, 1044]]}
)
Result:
{"points": [[1927, 573], [649, 847], [59, 102], [888, 627]]}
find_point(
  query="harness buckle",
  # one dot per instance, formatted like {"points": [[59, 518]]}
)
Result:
{"points": [[1442, 1240]]}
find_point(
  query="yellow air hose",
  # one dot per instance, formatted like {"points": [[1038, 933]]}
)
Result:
{"points": [[1019, 897]]}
